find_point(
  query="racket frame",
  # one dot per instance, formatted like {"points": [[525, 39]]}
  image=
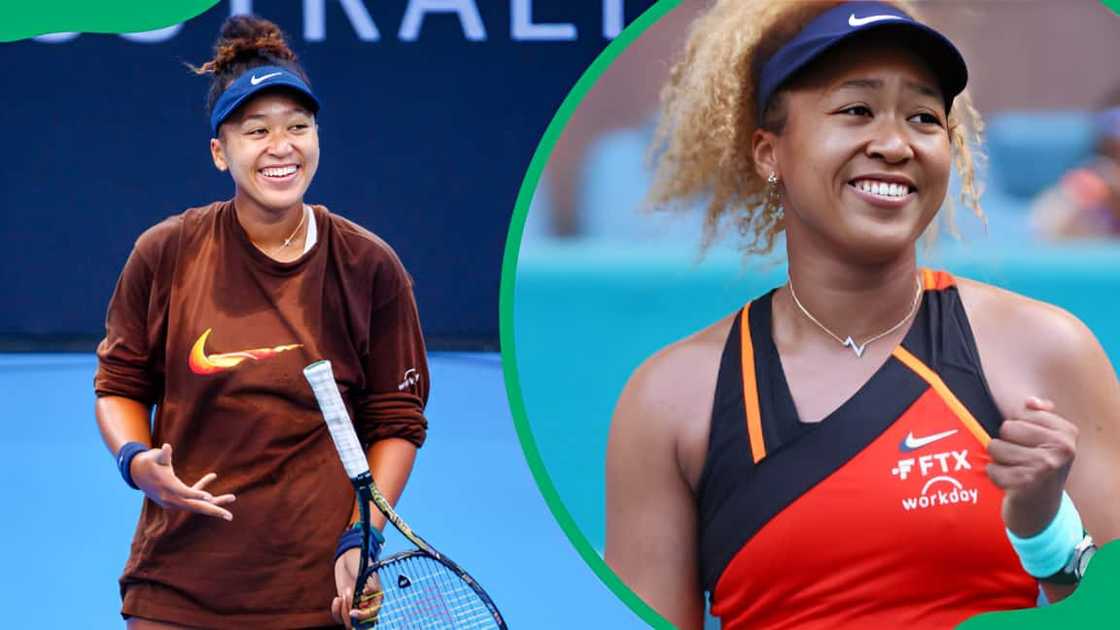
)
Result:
{"points": [[342, 432], [367, 491]]}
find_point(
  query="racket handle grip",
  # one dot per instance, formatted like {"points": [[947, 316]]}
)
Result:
{"points": [[362, 486]]}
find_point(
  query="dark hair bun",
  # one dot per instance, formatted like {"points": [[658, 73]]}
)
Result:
{"points": [[245, 39], [246, 42]]}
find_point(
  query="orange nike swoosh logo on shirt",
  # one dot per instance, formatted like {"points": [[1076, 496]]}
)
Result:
{"points": [[200, 363]]}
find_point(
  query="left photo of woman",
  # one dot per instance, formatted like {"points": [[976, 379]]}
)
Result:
{"points": [[280, 284], [209, 209]]}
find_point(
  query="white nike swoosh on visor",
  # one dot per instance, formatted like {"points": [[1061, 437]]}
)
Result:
{"points": [[854, 21], [255, 79], [912, 442]]}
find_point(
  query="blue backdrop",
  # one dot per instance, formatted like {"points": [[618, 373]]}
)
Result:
{"points": [[429, 119]]}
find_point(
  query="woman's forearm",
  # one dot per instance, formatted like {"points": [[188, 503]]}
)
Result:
{"points": [[390, 462], [122, 420]]}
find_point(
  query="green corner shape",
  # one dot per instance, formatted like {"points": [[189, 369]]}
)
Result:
{"points": [[505, 308], [1112, 4], [1092, 605], [21, 19]]}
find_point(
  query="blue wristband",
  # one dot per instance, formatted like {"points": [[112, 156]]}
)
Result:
{"points": [[1047, 552], [353, 538], [124, 460]]}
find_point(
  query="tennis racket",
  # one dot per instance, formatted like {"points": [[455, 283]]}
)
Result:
{"points": [[420, 588]]}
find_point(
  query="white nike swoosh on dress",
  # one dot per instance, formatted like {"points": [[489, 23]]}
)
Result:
{"points": [[256, 80], [912, 443], [853, 21]]}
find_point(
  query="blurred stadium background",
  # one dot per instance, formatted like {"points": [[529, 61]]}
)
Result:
{"points": [[601, 284]]}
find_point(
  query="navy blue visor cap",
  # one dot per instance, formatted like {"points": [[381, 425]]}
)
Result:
{"points": [[253, 81], [853, 19]]}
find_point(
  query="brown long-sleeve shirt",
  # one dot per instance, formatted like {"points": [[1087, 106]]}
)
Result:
{"points": [[215, 334]]}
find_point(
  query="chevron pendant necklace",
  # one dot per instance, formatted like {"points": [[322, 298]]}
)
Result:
{"points": [[858, 348]]}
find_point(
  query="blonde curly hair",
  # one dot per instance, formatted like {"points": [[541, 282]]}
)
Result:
{"points": [[702, 147]]}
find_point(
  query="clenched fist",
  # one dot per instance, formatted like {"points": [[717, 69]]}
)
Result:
{"points": [[1031, 459]]}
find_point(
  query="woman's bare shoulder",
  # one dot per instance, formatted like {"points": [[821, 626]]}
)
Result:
{"points": [[1027, 345], [675, 376], [667, 403], [1030, 325]]}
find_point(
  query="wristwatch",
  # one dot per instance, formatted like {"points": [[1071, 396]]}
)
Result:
{"points": [[1078, 560]]}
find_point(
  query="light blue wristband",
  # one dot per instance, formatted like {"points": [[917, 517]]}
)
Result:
{"points": [[1047, 552]]}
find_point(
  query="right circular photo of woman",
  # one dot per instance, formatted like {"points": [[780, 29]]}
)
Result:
{"points": [[808, 314]]}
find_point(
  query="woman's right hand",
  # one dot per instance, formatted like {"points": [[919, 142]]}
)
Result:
{"points": [[345, 575], [153, 473]]}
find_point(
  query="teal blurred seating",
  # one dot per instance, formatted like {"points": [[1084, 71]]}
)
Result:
{"points": [[1029, 151], [538, 222], [615, 179]]}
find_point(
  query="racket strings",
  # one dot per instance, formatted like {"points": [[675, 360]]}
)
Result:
{"points": [[421, 593], [457, 608], [437, 599]]}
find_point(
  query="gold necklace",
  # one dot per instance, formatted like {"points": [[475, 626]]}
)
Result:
{"points": [[287, 241], [849, 342], [302, 218]]}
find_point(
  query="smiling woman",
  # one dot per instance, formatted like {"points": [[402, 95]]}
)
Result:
{"points": [[878, 447], [823, 117], [217, 311], [262, 118]]}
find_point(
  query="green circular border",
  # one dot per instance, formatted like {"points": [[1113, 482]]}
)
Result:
{"points": [[505, 308]]}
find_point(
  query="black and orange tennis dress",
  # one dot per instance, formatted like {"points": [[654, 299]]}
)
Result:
{"points": [[881, 515]]}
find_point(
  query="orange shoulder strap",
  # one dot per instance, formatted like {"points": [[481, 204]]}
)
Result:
{"points": [[750, 388], [939, 386], [936, 280]]}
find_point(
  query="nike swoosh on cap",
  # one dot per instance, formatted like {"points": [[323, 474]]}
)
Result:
{"points": [[255, 80], [911, 443], [853, 21]]}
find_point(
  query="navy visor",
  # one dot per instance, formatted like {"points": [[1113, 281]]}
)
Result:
{"points": [[849, 20], [251, 82]]}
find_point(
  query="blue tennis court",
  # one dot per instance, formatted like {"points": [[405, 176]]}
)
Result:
{"points": [[70, 518]]}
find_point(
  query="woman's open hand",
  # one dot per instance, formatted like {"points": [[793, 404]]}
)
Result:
{"points": [[154, 474]]}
